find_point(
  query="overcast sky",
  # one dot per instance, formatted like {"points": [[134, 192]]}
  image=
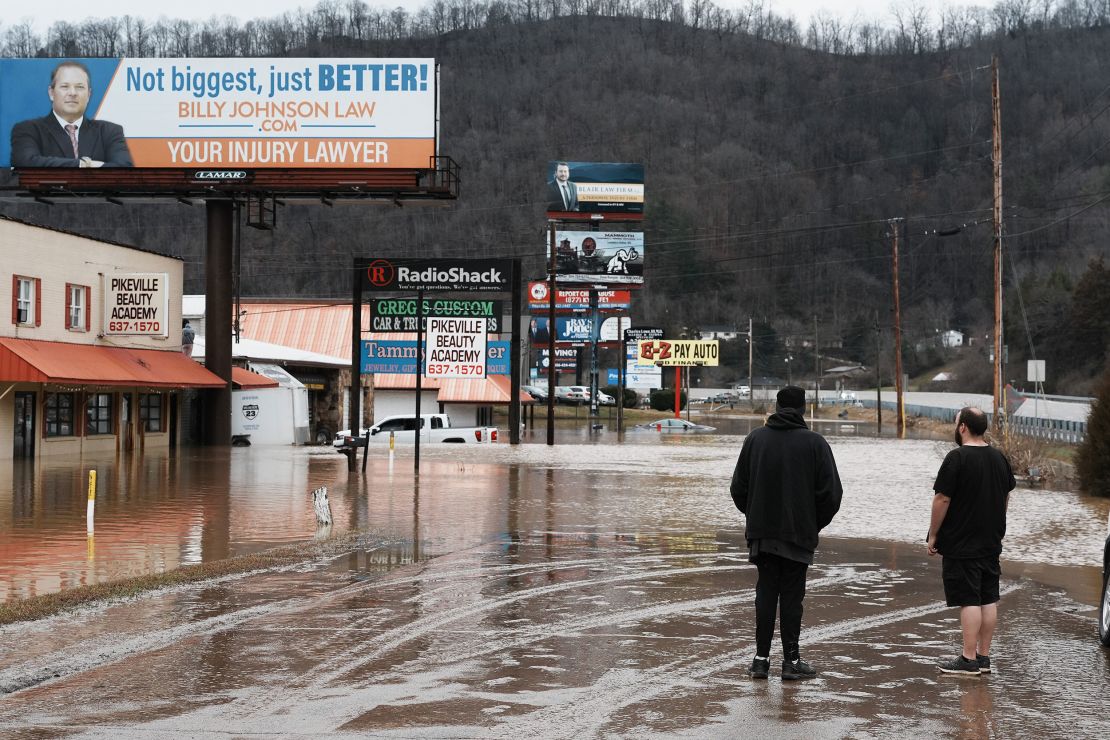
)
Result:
{"points": [[77, 10]]}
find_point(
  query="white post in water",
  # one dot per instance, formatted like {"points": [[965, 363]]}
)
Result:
{"points": [[322, 505], [90, 508]]}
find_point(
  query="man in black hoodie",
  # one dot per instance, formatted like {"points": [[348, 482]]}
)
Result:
{"points": [[787, 486]]}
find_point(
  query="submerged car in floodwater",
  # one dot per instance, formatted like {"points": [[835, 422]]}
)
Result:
{"points": [[680, 426]]}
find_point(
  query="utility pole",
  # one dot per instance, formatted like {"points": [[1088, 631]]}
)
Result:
{"points": [[996, 156], [878, 377], [898, 401], [816, 369], [751, 355]]}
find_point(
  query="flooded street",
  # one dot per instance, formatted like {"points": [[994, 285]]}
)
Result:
{"points": [[592, 589]]}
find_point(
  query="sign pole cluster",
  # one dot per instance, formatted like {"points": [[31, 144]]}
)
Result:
{"points": [[581, 198], [451, 335]]}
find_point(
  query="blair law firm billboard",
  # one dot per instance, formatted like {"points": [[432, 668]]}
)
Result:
{"points": [[218, 113]]}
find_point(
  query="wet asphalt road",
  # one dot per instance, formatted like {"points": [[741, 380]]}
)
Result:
{"points": [[587, 591]]}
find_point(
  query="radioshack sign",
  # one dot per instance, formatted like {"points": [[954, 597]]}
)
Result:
{"points": [[136, 303], [460, 275]]}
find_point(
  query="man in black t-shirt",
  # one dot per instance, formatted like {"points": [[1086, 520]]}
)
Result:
{"points": [[967, 525]]}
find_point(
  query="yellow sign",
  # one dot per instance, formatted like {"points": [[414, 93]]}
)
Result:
{"points": [[684, 352]]}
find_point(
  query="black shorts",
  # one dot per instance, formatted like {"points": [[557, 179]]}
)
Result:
{"points": [[970, 582]]}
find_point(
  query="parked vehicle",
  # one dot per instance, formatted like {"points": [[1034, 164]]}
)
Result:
{"points": [[1104, 609], [572, 394], [434, 428], [536, 392], [672, 425], [604, 399], [742, 390]]}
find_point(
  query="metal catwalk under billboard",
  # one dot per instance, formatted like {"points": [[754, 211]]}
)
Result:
{"points": [[609, 257], [218, 113]]}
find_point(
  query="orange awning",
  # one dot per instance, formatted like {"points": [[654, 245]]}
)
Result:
{"points": [[244, 378], [35, 361]]}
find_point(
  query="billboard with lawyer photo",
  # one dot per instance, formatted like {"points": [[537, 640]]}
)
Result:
{"points": [[594, 187], [218, 113]]}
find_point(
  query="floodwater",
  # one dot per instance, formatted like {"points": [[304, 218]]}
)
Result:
{"points": [[594, 589], [157, 512]]}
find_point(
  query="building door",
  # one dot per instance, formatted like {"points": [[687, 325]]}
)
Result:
{"points": [[127, 428], [24, 424]]}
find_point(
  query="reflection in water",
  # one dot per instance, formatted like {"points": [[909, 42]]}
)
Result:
{"points": [[155, 512]]}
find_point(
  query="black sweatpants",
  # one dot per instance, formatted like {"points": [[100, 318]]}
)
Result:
{"points": [[780, 588]]}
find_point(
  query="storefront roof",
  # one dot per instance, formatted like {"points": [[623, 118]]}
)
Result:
{"points": [[314, 327], [492, 390], [256, 351], [244, 378], [35, 361]]}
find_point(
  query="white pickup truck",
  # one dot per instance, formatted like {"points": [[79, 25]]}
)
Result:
{"points": [[433, 428]]}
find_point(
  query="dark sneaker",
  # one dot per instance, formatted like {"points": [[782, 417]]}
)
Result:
{"points": [[797, 670], [984, 662], [960, 666], [760, 668]]}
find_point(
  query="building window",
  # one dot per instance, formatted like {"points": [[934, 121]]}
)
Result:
{"points": [[150, 411], [25, 301], [98, 414], [59, 414], [77, 307]]}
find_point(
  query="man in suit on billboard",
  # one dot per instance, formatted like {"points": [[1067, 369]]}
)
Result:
{"points": [[65, 137], [562, 194]]}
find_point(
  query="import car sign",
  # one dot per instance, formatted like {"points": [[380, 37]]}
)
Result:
{"points": [[455, 348]]}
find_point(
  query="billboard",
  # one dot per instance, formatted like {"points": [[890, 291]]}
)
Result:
{"points": [[567, 329], [680, 352], [599, 257], [566, 358], [458, 275], [399, 356], [594, 187], [207, 114], [136, 304], [576, 299]]}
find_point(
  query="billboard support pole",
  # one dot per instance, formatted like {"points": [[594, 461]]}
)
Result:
{"points": [[218, 319], [551, 342], [514, 359], [595, 318], [678, 391], [419, 379], [620, 375], [355, 401]]}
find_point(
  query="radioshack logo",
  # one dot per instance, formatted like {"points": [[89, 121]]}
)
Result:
{"points": [[222, 175], [380, 273]]}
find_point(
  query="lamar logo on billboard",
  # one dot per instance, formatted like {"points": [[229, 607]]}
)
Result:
{"points": [[222, 175], [380, 273], [250, 411]]}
